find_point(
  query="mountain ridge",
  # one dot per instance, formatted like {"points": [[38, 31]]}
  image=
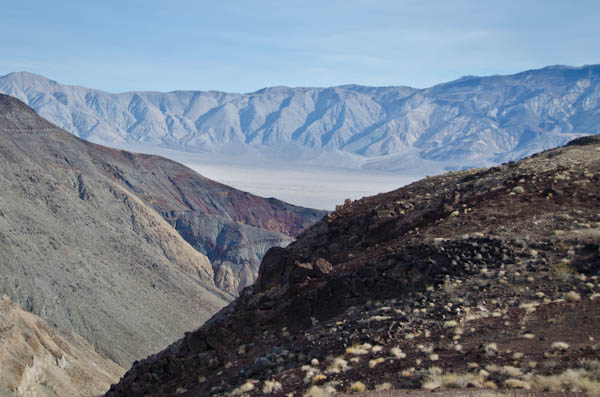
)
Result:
{"points": [[466, 122]]}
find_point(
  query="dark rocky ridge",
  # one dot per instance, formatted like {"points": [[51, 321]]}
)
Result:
{"points": [[465, 279], [86, 244]]}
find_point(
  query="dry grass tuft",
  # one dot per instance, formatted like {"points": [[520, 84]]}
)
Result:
{"points": [[338, 365], [246, 387], [436, 379], [271, 386], [397, 352], [572, 296], [383, 386], [513, 383], [562, 346], [574, 380], [321, 391], [318, 379], [374, 362], [358, 350], [511, 371], [358, 387], [450, 324]]}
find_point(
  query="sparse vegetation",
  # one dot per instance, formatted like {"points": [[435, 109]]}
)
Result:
{"points": [[358, 386], [562, 346], [271, 386], [338, 365], [479, 303], [573, 296]]}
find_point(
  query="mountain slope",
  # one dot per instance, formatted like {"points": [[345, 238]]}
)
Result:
{"points": [[86, 243], [38, 360], [82, 251], [470, 121], [214, 218], [484, 278]]}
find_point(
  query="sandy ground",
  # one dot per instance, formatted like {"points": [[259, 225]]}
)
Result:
{"points": [[303, 185]]}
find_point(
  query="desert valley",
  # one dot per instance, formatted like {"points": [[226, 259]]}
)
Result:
{"points": [[132, 274]]}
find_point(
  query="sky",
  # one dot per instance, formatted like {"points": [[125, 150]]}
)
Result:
{"points": [[243, 46]]}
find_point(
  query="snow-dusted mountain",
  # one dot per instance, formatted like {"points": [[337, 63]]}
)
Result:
{"points": [[470, 121]]}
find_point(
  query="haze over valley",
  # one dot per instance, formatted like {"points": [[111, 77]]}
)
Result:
{"points": [[320, 146]]}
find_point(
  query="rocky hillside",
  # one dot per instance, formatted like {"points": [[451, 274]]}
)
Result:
{"points": [[486, 278], [470, 121], [38, 360], [232, 228], [87, 239]]}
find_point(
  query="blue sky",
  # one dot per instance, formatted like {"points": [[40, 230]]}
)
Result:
{"points": [[242, 46]]}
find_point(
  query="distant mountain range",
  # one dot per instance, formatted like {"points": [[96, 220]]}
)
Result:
{"points": [[467, 122]]}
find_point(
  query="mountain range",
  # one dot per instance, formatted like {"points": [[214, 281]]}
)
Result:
{"points": [[472, 121]]}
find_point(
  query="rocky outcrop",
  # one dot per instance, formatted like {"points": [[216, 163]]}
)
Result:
{"points": [[39, 360], [234, 250], [482, 278]]}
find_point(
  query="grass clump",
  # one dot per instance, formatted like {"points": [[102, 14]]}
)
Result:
{"points": [[436, 379], [271, 386], [358, 350], [338, 365], [320, 391], [561, 346], [358, 387], [513, 383], [397, 352], [375, 361], [572, 296]]}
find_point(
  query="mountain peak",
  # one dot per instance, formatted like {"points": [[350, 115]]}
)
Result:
{"points": [[27, 77]]}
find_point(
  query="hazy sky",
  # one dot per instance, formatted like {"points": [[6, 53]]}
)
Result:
{"points": [[243, 46]]}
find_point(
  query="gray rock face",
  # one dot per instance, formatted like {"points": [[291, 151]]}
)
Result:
{"points": [[86, 241], [473, 120], [234, 250], [84, 252]]}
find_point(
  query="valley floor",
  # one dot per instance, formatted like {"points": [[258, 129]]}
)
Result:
{"points": [[320, 186]]}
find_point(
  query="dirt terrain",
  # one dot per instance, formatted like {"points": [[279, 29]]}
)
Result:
{"points": [[38, 360]]}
